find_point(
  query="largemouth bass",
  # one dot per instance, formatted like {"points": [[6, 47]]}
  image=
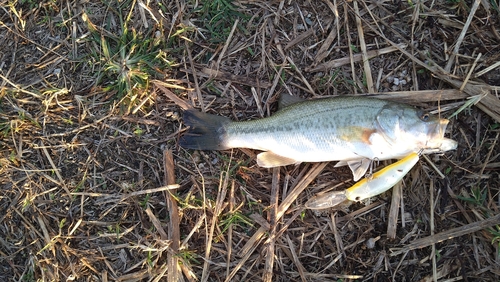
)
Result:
{"points": [[352, 130]]}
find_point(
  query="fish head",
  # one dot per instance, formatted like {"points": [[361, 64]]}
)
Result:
{"points": [[404, 126]]}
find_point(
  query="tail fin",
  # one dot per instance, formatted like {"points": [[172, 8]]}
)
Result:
{"points": [[206, 131]]}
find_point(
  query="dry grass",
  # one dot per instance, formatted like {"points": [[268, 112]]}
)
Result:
{"points": [[95, 188]]}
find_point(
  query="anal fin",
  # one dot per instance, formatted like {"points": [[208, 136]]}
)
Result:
{"points": [[270, 159]]}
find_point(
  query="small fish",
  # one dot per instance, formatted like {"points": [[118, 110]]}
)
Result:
{"points": [[368, 187], [352, 130]]}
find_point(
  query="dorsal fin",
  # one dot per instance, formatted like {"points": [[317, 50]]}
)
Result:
{"points": [[287, 100]]}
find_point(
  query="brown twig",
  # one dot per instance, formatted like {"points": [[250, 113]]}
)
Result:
{"points": [[449, 234]]}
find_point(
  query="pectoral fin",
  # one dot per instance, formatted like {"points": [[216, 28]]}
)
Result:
{"points": [[270, 159], [359, 168]]}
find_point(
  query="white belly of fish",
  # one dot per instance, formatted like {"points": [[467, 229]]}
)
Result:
{"points": [[317, 146]]}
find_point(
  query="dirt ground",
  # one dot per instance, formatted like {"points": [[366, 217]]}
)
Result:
{"points": [[94, 186]]}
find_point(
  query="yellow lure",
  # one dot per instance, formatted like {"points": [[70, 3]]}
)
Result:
{"points": [[374, 185], [382, 180]]}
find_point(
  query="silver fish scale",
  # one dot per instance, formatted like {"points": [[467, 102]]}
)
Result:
{"points": [[314, 130]]}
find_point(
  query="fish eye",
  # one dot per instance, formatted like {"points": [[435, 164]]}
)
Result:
{"points": [[424, 116]]}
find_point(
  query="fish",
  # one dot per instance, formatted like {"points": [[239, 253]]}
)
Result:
{"points": [[352, 130], [368, 187]]}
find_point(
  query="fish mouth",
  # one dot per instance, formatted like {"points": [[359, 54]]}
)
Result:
{"points": [[441, 128], [448, 144], [437, 142]]}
